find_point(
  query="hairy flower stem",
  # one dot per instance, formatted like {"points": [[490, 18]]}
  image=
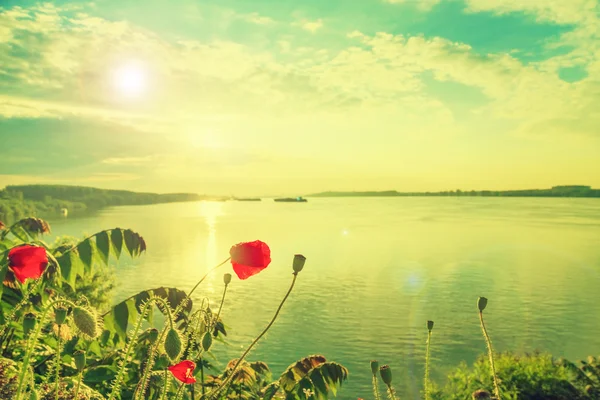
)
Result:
{"points": [[31, 346], [166, 385], [130, 345], [490, 355], [79, 379], [57, 368], [141, 389], [426, 383], [376, 388], [202, 377], [153, 350], [13, 313], [214, 394], [391, 393]]}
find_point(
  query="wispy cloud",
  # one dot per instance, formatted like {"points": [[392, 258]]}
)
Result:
{"points": [[424, 5], [310, 26]]}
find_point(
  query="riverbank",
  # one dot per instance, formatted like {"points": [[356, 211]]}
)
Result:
{"points": [[47, 201]]}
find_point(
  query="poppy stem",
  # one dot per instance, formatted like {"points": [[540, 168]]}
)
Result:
{"points": [[226, 382], [221, 305], [116, 387], [189, 295], [79, 378], [426, 383], [57, 367], [488, 341], [166, 386], [31, 345]]}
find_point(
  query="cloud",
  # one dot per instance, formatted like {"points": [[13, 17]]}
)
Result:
{"points": [[424, 5], [256, 18], [310, 26]]}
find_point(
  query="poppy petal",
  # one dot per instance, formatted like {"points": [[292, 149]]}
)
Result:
{"points": [[184, 371], [27, 262], [249, 258]]}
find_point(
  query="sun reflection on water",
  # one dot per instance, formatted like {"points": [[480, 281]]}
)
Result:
{"points": [[211, 211]]}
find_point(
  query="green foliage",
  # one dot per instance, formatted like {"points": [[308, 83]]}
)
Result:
{"points": [[311, 374], [126, 358], [529, 376]]}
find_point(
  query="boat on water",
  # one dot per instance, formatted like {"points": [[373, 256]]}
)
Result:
{"points": [[292, 200]]}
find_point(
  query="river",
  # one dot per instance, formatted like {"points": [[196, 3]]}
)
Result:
{"points": [[376, 270]]}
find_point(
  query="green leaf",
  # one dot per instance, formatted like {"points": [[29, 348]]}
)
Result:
{"points": [[86, 253], [271, 391], [315, 374], [70, 267], [122, 316], [100, 374], [116, 237], [103, 245]]}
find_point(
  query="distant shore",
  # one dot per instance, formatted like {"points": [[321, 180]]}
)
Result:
{"points": [[50, 200], [556, 191]]}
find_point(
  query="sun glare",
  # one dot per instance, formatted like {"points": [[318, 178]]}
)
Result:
{"points": [[130, 79]]}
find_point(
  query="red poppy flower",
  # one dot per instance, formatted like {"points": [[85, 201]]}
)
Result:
{"points": [[27, 262], [250, 258], [184, 371]]}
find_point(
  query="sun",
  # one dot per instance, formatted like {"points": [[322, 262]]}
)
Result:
{"points": [[130, 79]]}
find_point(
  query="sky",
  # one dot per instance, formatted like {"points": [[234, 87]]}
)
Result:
{"points": [[292, 97]]}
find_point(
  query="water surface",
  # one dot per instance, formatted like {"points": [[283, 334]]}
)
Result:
{"points": [[377, 269]]}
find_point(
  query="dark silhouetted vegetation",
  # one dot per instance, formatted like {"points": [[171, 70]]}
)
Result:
{"points": [[17, 202], [556, 191]]}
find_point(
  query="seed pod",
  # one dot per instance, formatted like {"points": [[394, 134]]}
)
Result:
{"points": [[85, 321], [227, 279], [429, 325], [29, 323], [60, 315], [152, 335], [482, 303], [386, 374], [481, 395], [299, 261], [79, 357], [207, 341], [374, 367], [173, 344]]}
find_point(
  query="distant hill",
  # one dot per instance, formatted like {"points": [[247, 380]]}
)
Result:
{"points": [[27, 200], [556, 191]]}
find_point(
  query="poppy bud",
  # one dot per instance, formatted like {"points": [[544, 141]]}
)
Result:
{"points": [[429, 325], [152, 335], [60, 315], [386, 374], [227, 278], [29, 323], [173, 344], [481, 303], [79, 357], [374, 367], [85, 321], [33, 395], [207, 341], [299, 261]]}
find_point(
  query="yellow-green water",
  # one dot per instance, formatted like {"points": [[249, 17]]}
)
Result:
{"points": [[377, 269]]}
